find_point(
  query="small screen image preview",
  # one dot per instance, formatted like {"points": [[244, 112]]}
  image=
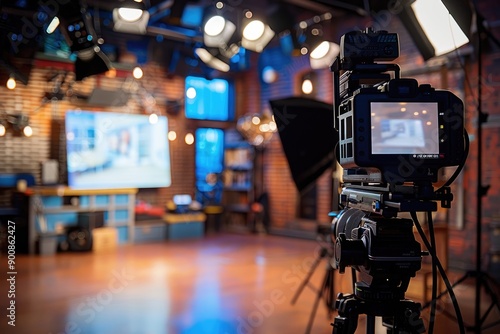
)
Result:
{"points": [[404, 128]]}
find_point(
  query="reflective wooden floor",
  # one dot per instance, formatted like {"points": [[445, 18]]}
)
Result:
{"points": [[225, 284]]}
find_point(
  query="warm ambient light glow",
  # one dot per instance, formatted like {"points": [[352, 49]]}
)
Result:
{"points": [[172, 135], [2, 130], [440, 27], [153, 118], [28, 131], [130, 14], [11, 83], [269, 75], [215, 25], [307, 86], [189, 139], [137, 72]]}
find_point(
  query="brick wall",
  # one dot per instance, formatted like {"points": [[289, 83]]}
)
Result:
{"points": [[278, 182], [21, 154]]}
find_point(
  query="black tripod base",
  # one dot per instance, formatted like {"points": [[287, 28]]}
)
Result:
{"points": [[399, 316]]}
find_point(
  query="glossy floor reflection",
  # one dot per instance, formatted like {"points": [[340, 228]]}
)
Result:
{"points": [[221, 284]]}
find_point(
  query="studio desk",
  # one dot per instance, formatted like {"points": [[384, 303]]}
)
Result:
{"points": [[171, 226], [108, 213]]}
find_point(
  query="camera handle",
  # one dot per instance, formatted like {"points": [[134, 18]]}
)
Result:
{"points": [[399, 316], [353, 77]]}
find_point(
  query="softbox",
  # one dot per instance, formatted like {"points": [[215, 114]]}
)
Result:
{"points": [[307, 135]]}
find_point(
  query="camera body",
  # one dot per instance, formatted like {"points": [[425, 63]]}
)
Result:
{"points": [[391, 130], [394, 136], [400, 132]]}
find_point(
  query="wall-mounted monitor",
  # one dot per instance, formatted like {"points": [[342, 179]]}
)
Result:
{"points": [[209, 99], [114, 150]]}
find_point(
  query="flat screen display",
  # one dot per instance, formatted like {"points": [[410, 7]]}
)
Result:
{"points": [[405, 128], [113, 150], [208, 99]]}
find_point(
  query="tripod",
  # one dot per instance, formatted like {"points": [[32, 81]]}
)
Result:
{"points": [[326, 290], [399, 315]]}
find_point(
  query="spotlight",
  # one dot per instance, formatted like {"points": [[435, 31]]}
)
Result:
{"points": [[52, 25], [324, 55], [219, 28], [312, 39], [3, 130], [256, 34], [282, 22], [433, 27], [77, 27], [216, 58], [81, 37], [131, 17]]}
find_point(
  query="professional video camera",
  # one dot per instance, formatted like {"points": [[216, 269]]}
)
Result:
{"points": [[394, 136]]}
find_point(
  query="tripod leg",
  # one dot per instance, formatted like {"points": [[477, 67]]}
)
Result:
{"points": [[370, 324], [323, 253], [330, 301], [485, 280], [324, 285]]}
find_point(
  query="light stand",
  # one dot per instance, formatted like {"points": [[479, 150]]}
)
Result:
{"points": [[482, 279]]}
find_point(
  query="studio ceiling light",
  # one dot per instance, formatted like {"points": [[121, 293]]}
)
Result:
{"points": [[219, 27], [129, 14], [214, 26], [256, 35], [80, 35], [52, 25], [214, 58], [324, 55], [132, 17]]}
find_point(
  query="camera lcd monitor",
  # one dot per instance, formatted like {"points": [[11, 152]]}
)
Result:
{"points": [[113, 150], [405, 128]]}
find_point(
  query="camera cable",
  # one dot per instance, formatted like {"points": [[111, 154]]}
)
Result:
{"points": [[438, 264], [461, 166]]}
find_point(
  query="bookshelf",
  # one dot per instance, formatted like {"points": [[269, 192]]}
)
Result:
{"points": [[238, 179]]}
